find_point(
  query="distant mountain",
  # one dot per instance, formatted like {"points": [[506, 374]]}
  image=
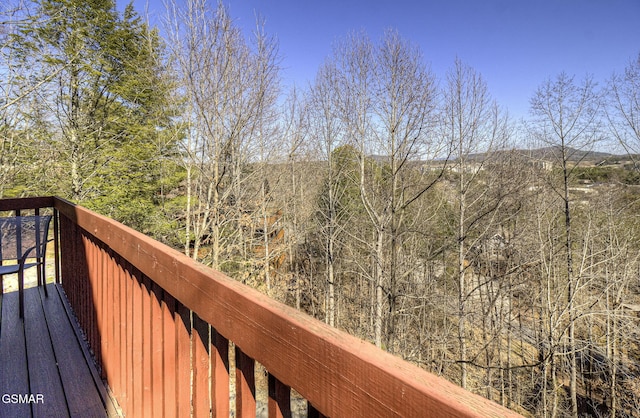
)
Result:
{"points": [[553, 153]]}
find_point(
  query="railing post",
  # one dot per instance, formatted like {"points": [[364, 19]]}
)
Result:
{"points": [[56, 245]]}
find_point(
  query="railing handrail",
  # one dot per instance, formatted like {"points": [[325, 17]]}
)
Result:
{"points": [[339, 374], [26, 203]]}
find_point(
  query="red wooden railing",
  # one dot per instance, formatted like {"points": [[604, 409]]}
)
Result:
{"points": [[160, 325]]}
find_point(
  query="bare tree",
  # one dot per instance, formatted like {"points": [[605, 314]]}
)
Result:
{"points": [[229, 88], [612, 264], [297, 191], [387, 99], [624, 108], [10, 18], [566, 118], [476, 129], [327, 129], [20, 79]]}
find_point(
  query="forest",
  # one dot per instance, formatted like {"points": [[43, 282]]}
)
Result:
{"points": [[408, 210]]}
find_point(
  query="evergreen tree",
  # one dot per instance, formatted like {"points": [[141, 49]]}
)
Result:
{"points": [[110, 138]]}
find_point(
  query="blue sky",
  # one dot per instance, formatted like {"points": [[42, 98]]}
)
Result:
{"points": [[514, 44]]}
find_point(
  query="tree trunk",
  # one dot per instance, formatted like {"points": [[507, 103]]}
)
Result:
{"points": [[379, 294], [462, 326], [571, 289]]}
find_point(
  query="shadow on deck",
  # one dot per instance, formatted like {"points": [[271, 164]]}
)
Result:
{"points": [[46, 369]]}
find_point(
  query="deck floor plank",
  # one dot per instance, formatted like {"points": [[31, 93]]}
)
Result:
{"points": [[44, 375], [80, 388], [14, 379], [44, 354], [106, 396]]}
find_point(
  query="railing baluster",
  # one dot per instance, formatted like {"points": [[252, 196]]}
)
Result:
{"points": [[42, 278], [219, 374], [200, 366], [245, 385], [157, 346], [70, 242], [313, 412], [146, 321], [138, 377], [169, 355], [83, 284], [119, 323], [279, 399], [56, 245], [93, 304], [183, 367], [129, 331], [108, 287], [85, 295]]}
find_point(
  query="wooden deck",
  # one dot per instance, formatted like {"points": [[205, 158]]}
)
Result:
{"points": [[45, 366], [177, 339]]}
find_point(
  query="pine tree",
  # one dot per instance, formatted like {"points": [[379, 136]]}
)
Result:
{"points": [[109, 134]]}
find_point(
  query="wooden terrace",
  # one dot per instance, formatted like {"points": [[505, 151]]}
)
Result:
{"points": [[46, 369], [173, 338]]}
